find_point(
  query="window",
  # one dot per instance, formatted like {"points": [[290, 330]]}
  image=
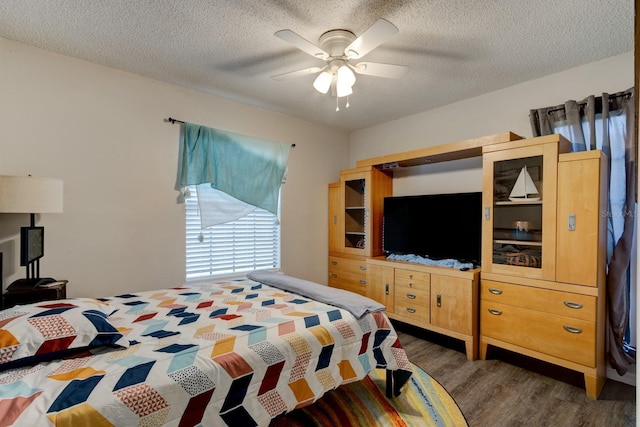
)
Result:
{"points": [[246, 244]]}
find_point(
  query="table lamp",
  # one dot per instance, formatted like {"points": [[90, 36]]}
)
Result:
{"points": [[32, 195]]}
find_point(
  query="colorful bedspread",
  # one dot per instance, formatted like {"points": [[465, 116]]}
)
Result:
{"points": [[235, 353]]}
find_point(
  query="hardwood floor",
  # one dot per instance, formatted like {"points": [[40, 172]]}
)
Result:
{"points": [[509, 389]]}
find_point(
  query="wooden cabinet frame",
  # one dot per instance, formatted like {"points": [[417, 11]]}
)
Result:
{"points": [[557, 313], [555, 279]]}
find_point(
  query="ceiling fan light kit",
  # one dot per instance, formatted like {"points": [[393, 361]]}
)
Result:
{"points": [[345, 79], [322, 83], [337, 48], [343, 90]]}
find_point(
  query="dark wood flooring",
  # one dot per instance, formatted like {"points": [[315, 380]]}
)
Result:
{"points": [[509, 389]]}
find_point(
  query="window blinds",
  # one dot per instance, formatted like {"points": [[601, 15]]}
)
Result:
{"points": [[249, 243]]}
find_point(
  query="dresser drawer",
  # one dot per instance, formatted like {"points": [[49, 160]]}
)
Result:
{"points": [[550, 301], [563, 337], [405, 295], [412, 279], [416, 314], [354, 282], [348, 264]]}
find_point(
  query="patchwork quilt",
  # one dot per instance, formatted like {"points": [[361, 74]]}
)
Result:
{"points": [[235, 353]]}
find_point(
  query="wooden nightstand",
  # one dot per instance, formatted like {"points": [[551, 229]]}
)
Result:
{"points": [[37, 294]]}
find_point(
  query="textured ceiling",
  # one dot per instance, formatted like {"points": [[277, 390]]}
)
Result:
{"points": [[456, 49]]}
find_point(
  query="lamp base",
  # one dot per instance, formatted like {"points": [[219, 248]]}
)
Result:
{"points": [[30, 283]]}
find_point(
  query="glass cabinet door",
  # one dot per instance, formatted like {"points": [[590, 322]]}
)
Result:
{"points": [[519, 206], [362, 193], [354, 222], [355, 212], [517, 212]]}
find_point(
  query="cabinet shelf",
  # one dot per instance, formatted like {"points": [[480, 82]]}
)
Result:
{"points": [[355, 233], [354, 207], [522, 202], [518, 242]]}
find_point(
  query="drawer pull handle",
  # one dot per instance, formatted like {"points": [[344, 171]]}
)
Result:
{"points": [[334, 262], [411, 310], [363, 282], [495, 291], [334, 275], [572, 330], [386, 289], [363, 267], [495, 312], [574, 305], [411, 296]]}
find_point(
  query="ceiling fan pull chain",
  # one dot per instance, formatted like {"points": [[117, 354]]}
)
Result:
{"points": [[347, 101], [337, 104]]}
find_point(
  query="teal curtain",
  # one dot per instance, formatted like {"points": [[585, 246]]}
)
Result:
{"points": [[248, 169]]}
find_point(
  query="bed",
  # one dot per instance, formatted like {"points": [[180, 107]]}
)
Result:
{"points": [[238, 352]]}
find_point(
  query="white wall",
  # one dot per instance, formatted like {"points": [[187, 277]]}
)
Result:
{"points": [[102, 132], [503, 110]]}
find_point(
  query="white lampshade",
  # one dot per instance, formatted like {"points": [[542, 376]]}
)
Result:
{"points": [[346, 76], [345, 81], [343, 90], [323, 82], [29, 194]]}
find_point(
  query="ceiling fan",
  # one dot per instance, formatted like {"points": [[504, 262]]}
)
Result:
{"points": [[338, 48]]}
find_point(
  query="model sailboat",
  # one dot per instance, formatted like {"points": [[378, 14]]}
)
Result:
{"points": [[524, 190]]}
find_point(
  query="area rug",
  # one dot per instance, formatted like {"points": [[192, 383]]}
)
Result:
{"points": [[423, 402]]}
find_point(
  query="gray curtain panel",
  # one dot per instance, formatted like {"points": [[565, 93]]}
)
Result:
{"points": [[591, 124]]}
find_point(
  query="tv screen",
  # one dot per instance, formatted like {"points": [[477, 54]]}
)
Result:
{"points": [[436, 226]]}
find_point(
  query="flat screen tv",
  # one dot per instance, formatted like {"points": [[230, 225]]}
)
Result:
{"points": [[436, 226]]}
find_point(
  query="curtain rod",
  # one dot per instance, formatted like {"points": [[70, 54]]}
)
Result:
{"points": [[174, 121], [625, 94]]}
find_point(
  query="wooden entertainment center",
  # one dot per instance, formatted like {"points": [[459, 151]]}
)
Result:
{"points": [[530, 296]]}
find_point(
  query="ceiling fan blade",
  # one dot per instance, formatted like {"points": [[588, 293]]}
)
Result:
{"points": [[389, 71], [299, 73], [301, 43], [375, 35]]}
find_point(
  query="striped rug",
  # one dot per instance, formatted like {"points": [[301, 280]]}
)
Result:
{"points": [[423, 402]]}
